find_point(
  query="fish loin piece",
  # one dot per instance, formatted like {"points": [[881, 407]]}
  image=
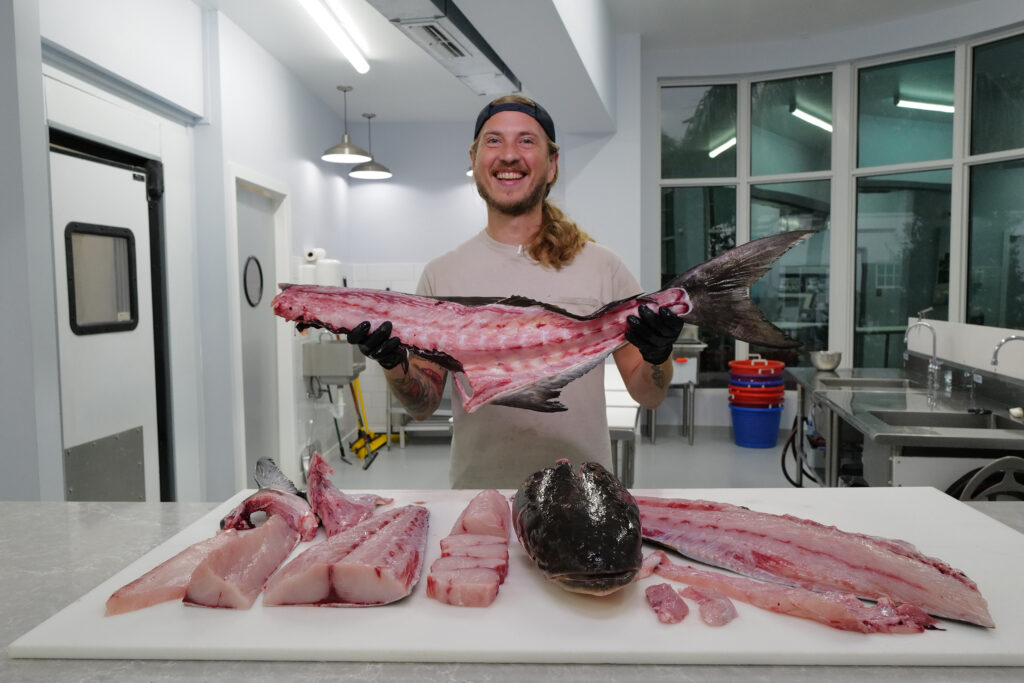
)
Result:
{"points": [[375, 562], [803, 553], [168, 580], [715, 609], [337, 511], [292, 507], [581, 530], [306, 579], [841, 611], [233, 575], [487, 514], [469, 587], [387, 565], [519, 352], [666, 603]]}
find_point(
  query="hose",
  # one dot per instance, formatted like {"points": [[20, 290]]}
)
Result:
{"points": [[791, 443]]}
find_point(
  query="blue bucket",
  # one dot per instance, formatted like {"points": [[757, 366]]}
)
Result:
{"points": [[756, 427], [750, 381]]}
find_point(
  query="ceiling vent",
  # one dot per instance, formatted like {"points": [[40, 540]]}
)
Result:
{"points": [[440, 28]]}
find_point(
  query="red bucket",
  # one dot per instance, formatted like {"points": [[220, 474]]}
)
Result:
{"points": [[756, 366]]}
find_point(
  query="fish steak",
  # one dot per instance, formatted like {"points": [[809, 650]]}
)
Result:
{"points": [[519, 352], [803, 553], [474, 556], [582, 530]]}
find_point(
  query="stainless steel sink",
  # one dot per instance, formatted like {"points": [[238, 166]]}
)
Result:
{"points": [[864, 383], [900, 418]]}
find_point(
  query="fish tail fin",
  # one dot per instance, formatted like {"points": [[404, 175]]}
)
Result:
{"points": [[720, 290]]}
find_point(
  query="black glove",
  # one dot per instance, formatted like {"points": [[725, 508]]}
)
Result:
{"points": [[654, 333], [378, 345]]}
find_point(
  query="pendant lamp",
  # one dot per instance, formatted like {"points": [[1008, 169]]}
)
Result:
{"points": [[370, 170], [345, 152]]}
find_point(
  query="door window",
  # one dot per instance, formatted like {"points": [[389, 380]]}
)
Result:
{"points": [[102, 293]]}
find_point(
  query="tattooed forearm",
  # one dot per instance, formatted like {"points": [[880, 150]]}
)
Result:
{"points": [[419, 389]]}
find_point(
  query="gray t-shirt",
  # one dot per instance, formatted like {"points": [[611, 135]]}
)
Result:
{"points": [[498, 446]]}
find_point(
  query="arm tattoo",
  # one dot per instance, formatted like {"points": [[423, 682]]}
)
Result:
{"points": [[419, 389], [658, 377]]}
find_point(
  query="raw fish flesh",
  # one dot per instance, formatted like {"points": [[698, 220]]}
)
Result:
{"points": [[806, 554], [519, 352], [581, 530], [487, 513], [168, 580], [842, 611], [666, 603], [376, 562], [277, 495], [233, 574], [337, 511], [474, 556], [715, 608], [292, 508]]}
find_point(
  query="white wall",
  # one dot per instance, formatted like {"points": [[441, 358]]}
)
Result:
{"points": [[161, 54]]}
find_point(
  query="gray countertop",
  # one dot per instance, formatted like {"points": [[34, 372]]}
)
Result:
{"points": [[860, 406], [53, 553]]}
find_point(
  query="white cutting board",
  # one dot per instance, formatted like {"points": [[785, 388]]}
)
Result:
{"points": [[535, 621]]}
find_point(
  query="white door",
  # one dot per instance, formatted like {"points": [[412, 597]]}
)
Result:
{"points": [[105, 330], [256, 270]]}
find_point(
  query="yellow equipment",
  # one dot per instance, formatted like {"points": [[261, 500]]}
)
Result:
{"points": [[368, 443]]}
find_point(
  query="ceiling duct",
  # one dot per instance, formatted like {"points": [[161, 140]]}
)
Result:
{"points": [[446, 34]]}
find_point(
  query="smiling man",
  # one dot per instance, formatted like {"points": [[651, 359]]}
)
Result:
{"points": [[528, 248]]}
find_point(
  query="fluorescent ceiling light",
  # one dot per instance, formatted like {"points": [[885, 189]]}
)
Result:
{"points": [[722, 147], [927, 106], [330, 24], [811, 119]]}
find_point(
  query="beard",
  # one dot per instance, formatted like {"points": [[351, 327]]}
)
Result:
{"points": [[513, 207]]}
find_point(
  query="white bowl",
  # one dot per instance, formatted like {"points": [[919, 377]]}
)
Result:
{"points": [[826, 360]]}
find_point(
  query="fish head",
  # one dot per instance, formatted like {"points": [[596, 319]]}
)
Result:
{"points": [[581, 529]]}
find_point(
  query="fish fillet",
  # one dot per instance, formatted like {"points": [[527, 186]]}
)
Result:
{"points": [[841, 611], [337, 511], [519, 352], [233, 574], [803, 553], [168, 580], [373, 563]]}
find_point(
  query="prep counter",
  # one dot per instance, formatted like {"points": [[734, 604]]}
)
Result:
{"points": [[53, 553]]}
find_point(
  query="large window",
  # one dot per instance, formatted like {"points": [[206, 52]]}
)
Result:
{"points": [[910, 170], [902, 260], [995, 265], [905, 111]]}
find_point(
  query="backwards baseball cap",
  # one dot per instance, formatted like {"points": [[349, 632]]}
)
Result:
{"points": [[535, 111]]}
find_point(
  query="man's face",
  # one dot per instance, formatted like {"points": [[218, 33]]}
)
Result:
{"points": [[511, 166]]}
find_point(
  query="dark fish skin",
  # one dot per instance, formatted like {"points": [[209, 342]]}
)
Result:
{"points": [[269, 476], [582, 530]]}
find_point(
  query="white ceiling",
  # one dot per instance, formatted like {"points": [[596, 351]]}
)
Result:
{"points": [[405, 84]]}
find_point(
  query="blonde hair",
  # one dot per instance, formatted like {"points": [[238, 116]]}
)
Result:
{"points": [[559, 239]]}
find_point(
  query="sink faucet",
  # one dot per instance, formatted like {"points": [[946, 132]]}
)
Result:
{"points": [[995, 352], [933, 364]]}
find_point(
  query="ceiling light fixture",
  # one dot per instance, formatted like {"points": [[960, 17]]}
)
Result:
{"points": [[810, 118], [331, 24], [722, 147], [370, 170], [345, 152], [926, 106]]}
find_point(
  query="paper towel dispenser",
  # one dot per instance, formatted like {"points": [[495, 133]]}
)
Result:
{"points": [[332, 361]]}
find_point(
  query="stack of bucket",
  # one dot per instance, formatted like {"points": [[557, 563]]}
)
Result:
{"points": [[756, 397]]}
